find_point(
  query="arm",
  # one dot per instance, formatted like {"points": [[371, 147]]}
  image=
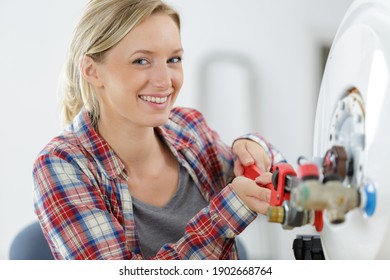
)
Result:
{"points": [[73, 212], [213, 162], [210, 234], [82, 221], [79, 219], [246, 150]]}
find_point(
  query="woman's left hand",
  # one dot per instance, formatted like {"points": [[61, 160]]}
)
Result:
{"points": [[248, 152]]}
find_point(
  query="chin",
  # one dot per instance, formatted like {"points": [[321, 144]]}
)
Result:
{"points": [[158, 120]]}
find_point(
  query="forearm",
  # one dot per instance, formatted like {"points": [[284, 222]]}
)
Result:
{"points": [[211, 233]]}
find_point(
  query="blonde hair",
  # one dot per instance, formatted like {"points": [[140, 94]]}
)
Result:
{"points": [[103, 24]]}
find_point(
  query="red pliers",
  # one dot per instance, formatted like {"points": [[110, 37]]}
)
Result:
{"points": [[281, 185]]}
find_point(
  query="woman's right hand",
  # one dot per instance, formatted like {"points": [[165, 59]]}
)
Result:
{"points": [[254, 196]]}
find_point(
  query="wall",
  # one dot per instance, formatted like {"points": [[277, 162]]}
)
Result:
{"points": [[279, 41]]}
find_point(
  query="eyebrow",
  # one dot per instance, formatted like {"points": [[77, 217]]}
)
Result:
{"points": [[151, 52]]}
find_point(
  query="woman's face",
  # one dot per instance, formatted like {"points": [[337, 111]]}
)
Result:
{"points": [[142, 75]]}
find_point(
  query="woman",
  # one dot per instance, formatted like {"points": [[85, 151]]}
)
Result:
{"points": [[132, 177]]}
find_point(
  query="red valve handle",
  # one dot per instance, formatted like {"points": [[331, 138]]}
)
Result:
{"points": [[318, 220]]}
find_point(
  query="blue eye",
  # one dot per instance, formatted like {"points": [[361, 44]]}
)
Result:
{"points": [[176, 59], [140, 61]]}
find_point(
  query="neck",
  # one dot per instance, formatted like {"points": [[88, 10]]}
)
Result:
{"points": [[137, 147]]}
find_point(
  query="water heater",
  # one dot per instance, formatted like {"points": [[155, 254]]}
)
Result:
{"points": [[353, 112]]}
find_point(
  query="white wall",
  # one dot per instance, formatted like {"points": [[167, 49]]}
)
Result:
{"points": [[280, 39]]}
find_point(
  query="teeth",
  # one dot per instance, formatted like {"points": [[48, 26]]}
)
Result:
{"points": [[153, 99]]}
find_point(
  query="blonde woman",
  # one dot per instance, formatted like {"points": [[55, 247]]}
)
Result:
{"points": [[132, 177]]}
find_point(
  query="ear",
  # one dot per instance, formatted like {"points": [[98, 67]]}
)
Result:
{"points": [[89, 71]]}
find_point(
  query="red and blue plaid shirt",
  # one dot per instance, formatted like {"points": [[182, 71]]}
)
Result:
{"points": [[82, 200]]}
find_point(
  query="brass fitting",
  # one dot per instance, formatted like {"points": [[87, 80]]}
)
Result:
{"points": [[275, 214], [288, 216]]}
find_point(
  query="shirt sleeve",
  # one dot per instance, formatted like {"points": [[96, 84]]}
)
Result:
{"points": [[72, 211], [79, 223], [210, 234]]}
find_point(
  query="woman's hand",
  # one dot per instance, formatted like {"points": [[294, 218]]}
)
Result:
{"points": [[248, 152], [254, 196]]}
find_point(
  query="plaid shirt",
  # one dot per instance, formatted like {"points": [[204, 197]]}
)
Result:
{"points": [[82, 200]]}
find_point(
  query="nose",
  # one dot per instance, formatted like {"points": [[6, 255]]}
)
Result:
{"points": [[161, 77]]}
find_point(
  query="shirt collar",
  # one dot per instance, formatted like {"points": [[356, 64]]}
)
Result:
{"points": [[93, 143], [96, 146]]}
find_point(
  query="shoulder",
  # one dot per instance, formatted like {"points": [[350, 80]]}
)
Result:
{"points": [[62, 148], [190, 121], [185, 116], [189, 125], [65, 142]]}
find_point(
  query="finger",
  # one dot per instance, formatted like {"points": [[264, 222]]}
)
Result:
{"points": [[263, 163], [264, 179], [255, 197], [262, 160], [257, 153], [243, 154], [263, 194], [238, 168], [258, 206], [253, 190], [247, 185]]}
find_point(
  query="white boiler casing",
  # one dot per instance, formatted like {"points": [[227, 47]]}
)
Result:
{"points": [[360, 59]]}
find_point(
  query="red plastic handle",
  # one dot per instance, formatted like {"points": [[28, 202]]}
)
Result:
{"points": [[252, 172], [278, 194]]}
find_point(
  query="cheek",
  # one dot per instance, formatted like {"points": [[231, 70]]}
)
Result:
{"points": [[118, 95], [124, 85], [178, 80]]}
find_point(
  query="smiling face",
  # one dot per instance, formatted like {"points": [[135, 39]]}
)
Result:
{"points": [[140, 78]]}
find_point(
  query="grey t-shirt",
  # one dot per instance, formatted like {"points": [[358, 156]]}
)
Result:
{"points": [[157, 226]]}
